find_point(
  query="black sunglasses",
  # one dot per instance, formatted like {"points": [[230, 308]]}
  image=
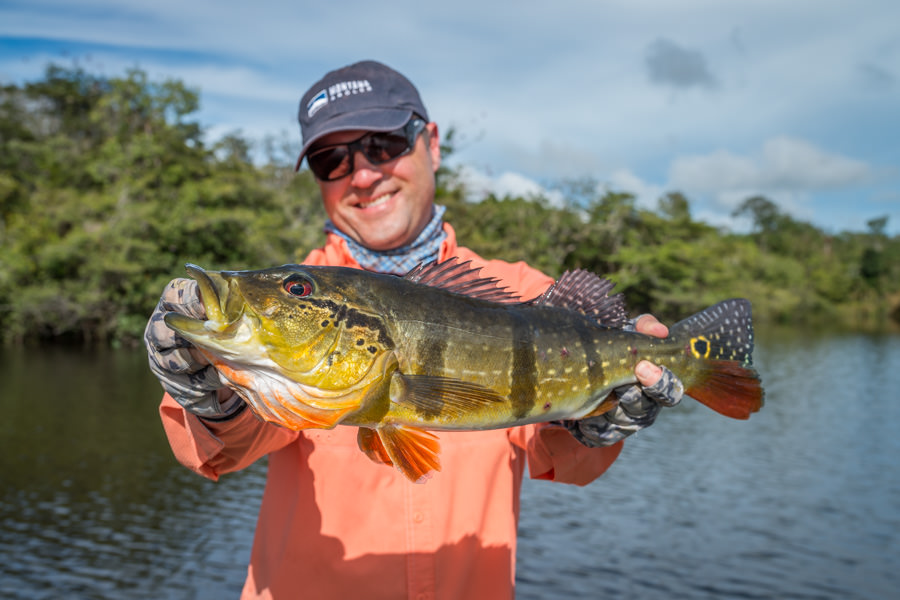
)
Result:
{"points": [[329, 163]]}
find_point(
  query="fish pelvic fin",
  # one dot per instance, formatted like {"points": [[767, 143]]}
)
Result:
{"points": [[721, 376], [414, 452], [370, 442]]}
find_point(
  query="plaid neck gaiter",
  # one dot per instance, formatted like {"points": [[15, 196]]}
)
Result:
{"points": [[399, 261]]}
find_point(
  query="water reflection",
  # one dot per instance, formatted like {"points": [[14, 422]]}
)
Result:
{"points": [[93, 504], [798, 502]]}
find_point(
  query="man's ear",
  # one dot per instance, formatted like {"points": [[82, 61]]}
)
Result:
{"points": [[433, 141]]}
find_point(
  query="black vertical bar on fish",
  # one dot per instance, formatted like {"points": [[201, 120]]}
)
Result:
{"points": [[523, 375], [595, 373], [431, 350]]}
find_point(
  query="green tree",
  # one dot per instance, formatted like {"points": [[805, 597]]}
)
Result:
{"points": [[113, 191]]}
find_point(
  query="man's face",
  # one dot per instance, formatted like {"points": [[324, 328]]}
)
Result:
{"points": [[384, 206]]}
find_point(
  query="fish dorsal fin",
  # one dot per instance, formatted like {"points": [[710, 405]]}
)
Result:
{"points": [[587, 293], [461, 278]]}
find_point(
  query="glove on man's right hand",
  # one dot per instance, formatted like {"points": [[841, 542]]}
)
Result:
{"points": [[183, 373]]}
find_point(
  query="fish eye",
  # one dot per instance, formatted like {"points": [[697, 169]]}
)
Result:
{"points": [[298, 287]]}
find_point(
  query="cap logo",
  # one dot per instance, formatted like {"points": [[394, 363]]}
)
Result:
{"points": [[317, 102], [347, 88]]}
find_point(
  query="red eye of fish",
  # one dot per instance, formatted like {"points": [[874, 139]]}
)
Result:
{"points": [[298, 287]]}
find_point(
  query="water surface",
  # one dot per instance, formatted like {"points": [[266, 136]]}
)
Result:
{"points": [[799, 502]]}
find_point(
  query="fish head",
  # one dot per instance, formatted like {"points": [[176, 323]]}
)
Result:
{"points": [[303, 328]]}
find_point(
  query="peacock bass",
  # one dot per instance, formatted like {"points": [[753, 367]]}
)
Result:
{"points": [[443, 348]]}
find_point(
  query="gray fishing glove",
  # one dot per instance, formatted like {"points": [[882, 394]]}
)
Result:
{"points": [[191, 381], [638, 407]]}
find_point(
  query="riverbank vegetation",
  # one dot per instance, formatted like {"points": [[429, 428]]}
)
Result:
{"points": [[107, 188]]}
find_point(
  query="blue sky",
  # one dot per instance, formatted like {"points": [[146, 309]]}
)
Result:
{"points": [[798, 101]]}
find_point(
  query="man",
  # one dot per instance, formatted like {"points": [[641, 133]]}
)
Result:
{"points": [[333, 524]]}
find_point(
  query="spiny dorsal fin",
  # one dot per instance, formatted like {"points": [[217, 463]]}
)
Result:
{"points": [[587, 293], [461, 278]]}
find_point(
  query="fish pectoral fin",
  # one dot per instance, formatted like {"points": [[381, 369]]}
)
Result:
{"points": [[434, 395], [413, 451], [370, 442]]}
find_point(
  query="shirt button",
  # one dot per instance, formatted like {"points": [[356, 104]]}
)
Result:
{"points": [[418, 517]]}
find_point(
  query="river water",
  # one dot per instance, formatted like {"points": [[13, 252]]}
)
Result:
{"points": [[802, 501]]}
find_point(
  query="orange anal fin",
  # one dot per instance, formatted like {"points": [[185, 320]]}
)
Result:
{"points": [[415, 452], [370, 442], [728, 388], [608, 403]]}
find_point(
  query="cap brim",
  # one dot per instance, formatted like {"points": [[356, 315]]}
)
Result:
{"points": [[375, 119]]}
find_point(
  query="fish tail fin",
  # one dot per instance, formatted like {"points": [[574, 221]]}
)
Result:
{"points": [[722, 377]]}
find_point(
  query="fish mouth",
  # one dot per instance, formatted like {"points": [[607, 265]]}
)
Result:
{"points": [[222, 312]]}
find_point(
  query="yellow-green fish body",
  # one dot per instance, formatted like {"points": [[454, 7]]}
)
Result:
{"points": [[443, 349]]}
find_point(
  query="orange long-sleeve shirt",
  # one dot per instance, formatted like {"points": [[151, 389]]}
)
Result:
{"points": [[333, 524]]}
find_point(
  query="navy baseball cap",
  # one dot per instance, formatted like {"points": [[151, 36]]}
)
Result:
{"points": [[367, 95]]}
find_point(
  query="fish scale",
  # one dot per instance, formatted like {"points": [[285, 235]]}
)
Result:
{"points": [[445, 349]]}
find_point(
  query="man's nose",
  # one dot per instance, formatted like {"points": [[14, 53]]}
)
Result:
{"points": [[364, 172]]}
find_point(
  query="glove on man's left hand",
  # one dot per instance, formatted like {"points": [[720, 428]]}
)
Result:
{"points": [[638, 407]]}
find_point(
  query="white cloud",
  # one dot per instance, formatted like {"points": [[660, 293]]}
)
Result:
{"points": [[479, 185], [783, 166], [646, 194], [539, 92]]}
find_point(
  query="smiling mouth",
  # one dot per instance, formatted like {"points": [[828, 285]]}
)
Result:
{"points": [[378, 200]]}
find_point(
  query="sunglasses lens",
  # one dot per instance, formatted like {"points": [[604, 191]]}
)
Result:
{"points": [[334, 162], [382, 147], [330, 163]]}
